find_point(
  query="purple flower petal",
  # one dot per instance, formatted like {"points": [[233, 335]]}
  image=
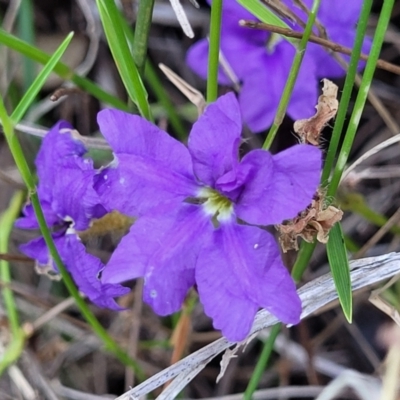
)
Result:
{"points": [[215, 138], [241, 272], [280, 186], [138, 184], [327, 65], [73, 196], [37, 250], [131, 134], [84, 269], [162, 248], [29, 221]]}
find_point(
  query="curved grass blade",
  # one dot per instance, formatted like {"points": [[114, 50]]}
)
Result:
{"points": [[39, 81]]}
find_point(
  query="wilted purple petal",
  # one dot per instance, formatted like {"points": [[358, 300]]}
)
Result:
{"points": [[214, 139], [84, 269], [279, 186], [241, 272]]}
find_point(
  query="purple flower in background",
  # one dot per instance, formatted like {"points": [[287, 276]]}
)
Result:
{"points": [[262, 64], [197, 206], [69, 202]]}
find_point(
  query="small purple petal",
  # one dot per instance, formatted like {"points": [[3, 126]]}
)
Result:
{"points": [[278, 186], [138, 184], [241, 272], [214, 139]]}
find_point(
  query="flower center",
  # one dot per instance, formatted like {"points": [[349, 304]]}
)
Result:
{"points": [[216, 205]]}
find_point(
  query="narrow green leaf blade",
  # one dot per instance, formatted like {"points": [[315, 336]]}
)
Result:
{"points": [[122, 55], [39, 81], [340, 269]]}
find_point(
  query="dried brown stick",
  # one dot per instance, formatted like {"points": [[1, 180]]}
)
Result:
{"points": [[387, 66]]}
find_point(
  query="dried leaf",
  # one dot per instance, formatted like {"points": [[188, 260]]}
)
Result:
{"points": [[314, 222], [310, 129]]}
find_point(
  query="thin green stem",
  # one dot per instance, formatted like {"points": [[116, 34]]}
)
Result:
{"points": [[303, 258], [19, 159], [142, 29], [347, 90], [213, 52], [7, 219], [291, 81], [381, 28], [262, 362]]}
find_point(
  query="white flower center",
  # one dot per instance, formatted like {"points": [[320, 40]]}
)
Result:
{"points": [[216, 205]]}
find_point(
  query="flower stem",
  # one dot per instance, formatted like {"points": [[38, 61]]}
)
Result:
{"points": [[291, 81], [142, 29], [262, 362], [213, 52]]}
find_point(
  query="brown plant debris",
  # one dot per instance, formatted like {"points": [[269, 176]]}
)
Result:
{"points": [[314, 222], [309, 130]]}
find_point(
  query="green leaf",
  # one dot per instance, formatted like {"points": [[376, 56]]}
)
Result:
{"points": [[39, 81], [340, 269], [117, 42]]}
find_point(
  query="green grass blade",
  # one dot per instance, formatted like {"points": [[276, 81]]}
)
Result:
{"points": [[347, 90], [26, 31], [62, 70], [39, 81], [142, 29], [355, 118], [155, 84], [124, 61], [340, 269]]}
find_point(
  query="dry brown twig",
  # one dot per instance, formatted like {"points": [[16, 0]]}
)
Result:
{"points": [[395, 69]]}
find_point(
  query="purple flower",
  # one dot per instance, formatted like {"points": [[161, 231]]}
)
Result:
{"points": [[197, 206], [69, 203], [262, 64]]}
